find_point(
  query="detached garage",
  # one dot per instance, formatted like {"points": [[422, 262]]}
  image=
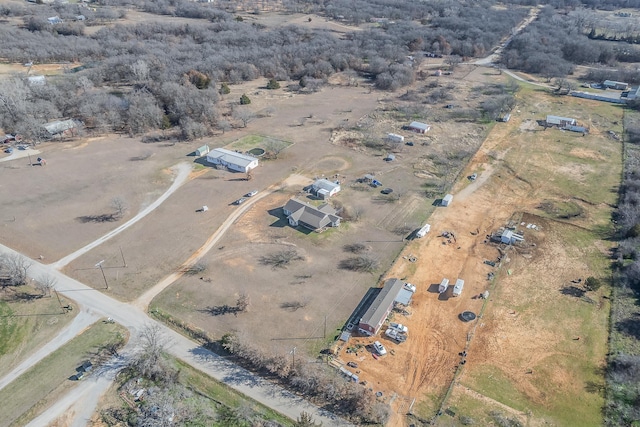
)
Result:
{"points": [[234, 161]]}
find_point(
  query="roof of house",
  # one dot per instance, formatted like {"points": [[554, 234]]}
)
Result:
{"points": [[232, 157], [613, 83], [378, 309], [60, 126], [325, 184], [448, 197], [315, 217], [558, 119], [418, 125]]}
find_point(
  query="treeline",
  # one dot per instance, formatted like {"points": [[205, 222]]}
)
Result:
{"points": [[313, 380], [571, 4], [623, 370], [554, 42]]}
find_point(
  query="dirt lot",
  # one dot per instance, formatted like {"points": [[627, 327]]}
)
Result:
{"points": [[529, 323]]}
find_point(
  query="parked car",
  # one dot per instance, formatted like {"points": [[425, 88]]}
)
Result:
{"points": [[473, 177], [409, 143], [387, 191], [251, 193], [399, 327], [352, 364], [379, 348], [8, 150], [408, 286], [240, 201]]}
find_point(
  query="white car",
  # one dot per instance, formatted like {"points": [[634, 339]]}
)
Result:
{"points": [[251, 193], [408, 286], [399, 327], [379, 348]]}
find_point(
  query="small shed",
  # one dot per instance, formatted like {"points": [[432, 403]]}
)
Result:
{"points": [[423, 231], [390, 157], [345, 336], [446, 200], [368, 178], [202, 150], [419, 127], [395, 137], [444, 285], [457, 288], [506, 118]]}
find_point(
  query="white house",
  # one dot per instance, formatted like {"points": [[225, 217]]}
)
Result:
{"points": [[446, 200], [457, 288], [419, 127], [235, 161], [324, 188]]}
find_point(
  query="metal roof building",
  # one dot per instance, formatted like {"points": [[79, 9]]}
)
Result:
{"points": [[233, 160], [419, 127], [380, 308]]}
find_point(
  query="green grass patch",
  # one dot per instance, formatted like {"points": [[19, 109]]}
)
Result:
{"points": [[491, 381], [563, 209], [27, 396], [223, 394], [24, 325], [267, 143]]}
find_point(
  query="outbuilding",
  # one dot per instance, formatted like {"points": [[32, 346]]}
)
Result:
{"points": [[233, 160], [612, 84], [457, 288], [510, 237], [446, 200], [423, 231], [560, 121], [444, 285], [419, 127], [201, 151], [377, 313], [395, 137], [324, 188]]}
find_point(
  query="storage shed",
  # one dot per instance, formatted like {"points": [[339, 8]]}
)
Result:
{"points": [[324, 188], [418, 127], [446, 200], [457, 288], [395, 137], [202, 150], [510, 237]]}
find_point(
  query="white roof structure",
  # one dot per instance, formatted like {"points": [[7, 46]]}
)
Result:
{"points": [[325, 184], [227, 156], [418, 125], [557, 120], [60, 126], [36, 80]]}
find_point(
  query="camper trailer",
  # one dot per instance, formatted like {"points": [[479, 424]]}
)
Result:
{"points": [[444, 285], [423, 231], [457, 288]]}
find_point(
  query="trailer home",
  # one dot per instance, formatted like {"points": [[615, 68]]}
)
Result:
{"points": [[457, 288], [444, 285], [423, 231]]}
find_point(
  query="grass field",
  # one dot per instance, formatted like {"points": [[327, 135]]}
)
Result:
{"points": [[25, 325], [33, 391], [265, 142]]}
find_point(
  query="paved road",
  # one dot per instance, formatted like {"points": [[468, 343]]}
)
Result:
{"points": [[182, 169], [195, 355]]}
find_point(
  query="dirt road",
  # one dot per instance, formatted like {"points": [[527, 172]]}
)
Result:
{"points": [[182, 173]]}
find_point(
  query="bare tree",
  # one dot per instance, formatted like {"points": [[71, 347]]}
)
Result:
{"points": [[148, 360], [281, 259], [242, 304], [45, 284], [15, 268], [356, 248], [224, 125], [244, 115], [453, 61], [119, 205]]}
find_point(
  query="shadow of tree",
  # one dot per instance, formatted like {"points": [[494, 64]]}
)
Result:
{"points": [[573, 291], [630, 326], [97, 218], [221, 310]]}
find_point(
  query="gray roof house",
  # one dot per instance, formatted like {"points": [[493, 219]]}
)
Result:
{"points": [[309, 216], [377, 313]]}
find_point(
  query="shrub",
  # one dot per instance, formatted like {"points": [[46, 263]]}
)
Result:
{"points": [[244, 100]]}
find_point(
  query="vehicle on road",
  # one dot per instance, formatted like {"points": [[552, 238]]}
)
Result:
{"points": [[473, 177], [379, 348], [251, 193], [240, 201]]}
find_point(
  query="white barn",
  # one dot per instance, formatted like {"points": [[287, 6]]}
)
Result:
{"points": [[235, 161]]}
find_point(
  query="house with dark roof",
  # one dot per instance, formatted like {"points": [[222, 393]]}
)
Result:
{"points": [[309, 216], [381, 307]]}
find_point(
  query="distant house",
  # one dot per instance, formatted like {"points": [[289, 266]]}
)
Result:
{"points": [[324, 188], [55, 20], [201, 151], [395, 137], [36, 80], [61, 128], [311, 217], [560, 121], [612, 84], [446, 200], [418, 127], [380, 308], [235, 161]]}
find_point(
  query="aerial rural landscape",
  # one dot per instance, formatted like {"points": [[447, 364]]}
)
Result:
{"points": [[338, 213]]}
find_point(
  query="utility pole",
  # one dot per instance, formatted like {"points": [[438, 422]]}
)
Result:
{"points": [[325, 326], [99, 265], [293, 359], [59, 302], [124, 263]]}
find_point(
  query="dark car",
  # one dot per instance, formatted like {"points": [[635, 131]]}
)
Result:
{"points": [[387, 191], [352, 364]]}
